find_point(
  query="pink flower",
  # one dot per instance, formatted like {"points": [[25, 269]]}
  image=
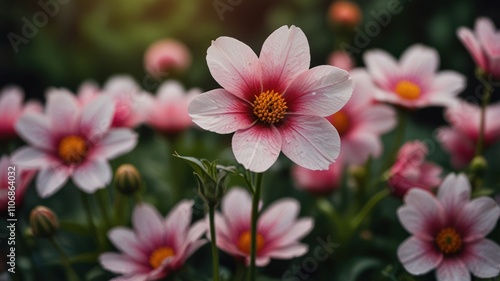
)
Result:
{"points": [[273, 102], [69, 141], [166, 55], [168, 111], [87, 92], [342, 60], [156, 246], [461, 138], [20, 179], [414, 81], [361, 123], [448, 232], [278, 229], [483, 45], [11, 108], [412, 171], [318, 182]]}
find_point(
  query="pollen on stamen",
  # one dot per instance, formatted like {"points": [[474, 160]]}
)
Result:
{"points": [[269, 107], [448, 241]]}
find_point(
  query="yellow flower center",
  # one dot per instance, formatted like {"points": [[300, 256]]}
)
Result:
{"points": [[448, 241], [72, 149], [244, 244], [159, 255], [340, 121], [270, 107], [408, 90]]}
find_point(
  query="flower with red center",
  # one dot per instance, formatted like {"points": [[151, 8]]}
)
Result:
{"points": [[412, 171], [70, 141], [483, 44], [20, 179], [361, 123], [156, 246], [278, 229], [448, 232], [11, 108], [166, 55], [168, 111], [461, 138], [318, 182], [414, 81], [273, 102]]}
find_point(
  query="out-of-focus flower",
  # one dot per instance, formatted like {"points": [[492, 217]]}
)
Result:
{"points": [[318, 182], [11, 108], [87, 92], [461, 138], [278, 229], [273, 102], [70, 141], [413, 82], [13, 184], [345, 13], [156, 246], [483, 44], [412, 171], [43, 222], [342, 60], [127, 179], [448, 232], [165, 56], [360, 123], [168, 111]]}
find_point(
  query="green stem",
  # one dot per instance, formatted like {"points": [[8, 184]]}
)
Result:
{"points": [[398, 139], [485, 101], [329, 210], [102, 202], [71, 273], [360, 217], [90, 219], [240, 272], [213, 239], [255, 217]]}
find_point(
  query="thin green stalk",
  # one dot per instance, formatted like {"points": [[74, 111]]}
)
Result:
{"points": [[67, 265], [328, 209], [213, 239], [360, 217], [485, 101], [255, 217], [102, 202], [90, 218], [118, 209], [398, 139], [240, 272]]}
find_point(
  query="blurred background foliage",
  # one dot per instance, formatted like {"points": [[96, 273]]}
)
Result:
{"points": [[96, 39]]}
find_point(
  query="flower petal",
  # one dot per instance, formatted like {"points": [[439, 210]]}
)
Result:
{"points": [[121, 264], [297, 231], [485, 30], [359, 144], [11, 102], [479, 217], [178, 220], [221, 112], [279, 218], [35, 129], [30, 157], [115, 143], [97, 117], [257, 148], [284, 55], [289, 252], [482, 258], [126, 241], [235, 67], [454, 193], [310, 141], [473, 46], [382, 67], [321, 91], [50, 180], [62, 111], [422, 213], [148, 225], [92, 175], [377, 118], [452, 270], [418, 61], [237, 209], [418, 256]]}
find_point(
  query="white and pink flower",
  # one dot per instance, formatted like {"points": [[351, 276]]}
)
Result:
{"points": [[361, 123], [273, 102], [413, 82], [483, 44], [278, 229], [20, 179], [166, 55], [448, 232], [156, 246], [168, 111], [70, 141], [412, 171], [342, 60], [11, 108], [318, 182], [461, 138]]}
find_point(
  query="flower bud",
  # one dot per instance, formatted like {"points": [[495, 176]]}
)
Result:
{"points": [[43, 222], [345, 13], [478, 165], [166, 56], [127, 179]]}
